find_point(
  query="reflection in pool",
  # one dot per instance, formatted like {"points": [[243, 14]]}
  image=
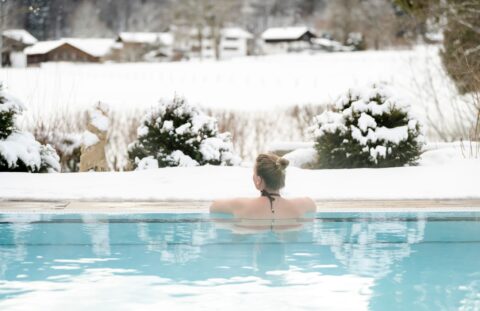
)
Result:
{"points": [[336, 261]]}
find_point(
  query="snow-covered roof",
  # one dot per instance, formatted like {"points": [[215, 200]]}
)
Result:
{"points": [[43, 47], [285, 33], [20, 35], [236, 32], [232, 32], [147, 37], [94, 47]]}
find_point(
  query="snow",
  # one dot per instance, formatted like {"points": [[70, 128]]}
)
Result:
{"points": [[98, 120], [20, 35], [50, 159], [182, 129], [220, 149], [147, 163], [43, 47], [89, 139], [329, 122], [147, 37], [167, 126], [10, 102], [363, 101], [440, 154], [288, 145], [394, 135], [210, 148], [301, 157], [236, 32], [378, 151], [21, 146], [365, 121], [94, 47], [330, 45], [142, 130], [287, 33], [454, 179], [182, 159], [266, 84], [198, 127]]}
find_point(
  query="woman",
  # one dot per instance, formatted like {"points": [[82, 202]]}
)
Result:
{"points": [[269, 178]]}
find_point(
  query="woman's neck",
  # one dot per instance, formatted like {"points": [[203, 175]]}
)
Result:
{"points": [[271, 191]]}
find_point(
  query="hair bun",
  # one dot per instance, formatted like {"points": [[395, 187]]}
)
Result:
{"points": [[282, 163]]}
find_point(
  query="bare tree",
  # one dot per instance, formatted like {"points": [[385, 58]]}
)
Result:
{"points": [[377, 22], [343, 17], [86, 21], [206, 18]]}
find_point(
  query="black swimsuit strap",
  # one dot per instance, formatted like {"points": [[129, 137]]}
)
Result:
{"points": [[271, 198]]}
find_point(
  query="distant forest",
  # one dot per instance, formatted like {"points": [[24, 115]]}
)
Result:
{"points": [[380, 21]]}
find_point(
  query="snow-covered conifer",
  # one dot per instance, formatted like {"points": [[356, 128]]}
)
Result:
{"points": [[178, 134], [367, 128], [19, 151]]}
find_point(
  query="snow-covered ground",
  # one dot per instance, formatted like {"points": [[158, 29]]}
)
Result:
{"points": [[251, 83], [444, 173]]}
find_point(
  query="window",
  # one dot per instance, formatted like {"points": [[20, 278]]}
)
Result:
{"points": [[228, 48], [230, 39]]}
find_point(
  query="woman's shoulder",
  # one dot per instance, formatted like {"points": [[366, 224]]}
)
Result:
{"points": [[231, 205], [304, 203]]}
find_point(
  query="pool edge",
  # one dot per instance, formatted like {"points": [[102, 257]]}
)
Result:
{"points": [[67, 206]]}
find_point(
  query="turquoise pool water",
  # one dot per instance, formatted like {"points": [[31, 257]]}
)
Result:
{"points": [[336, 261]]}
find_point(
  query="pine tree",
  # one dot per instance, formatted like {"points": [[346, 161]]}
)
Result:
{"points": [[177, 134], [19, 151], [367, 128]]}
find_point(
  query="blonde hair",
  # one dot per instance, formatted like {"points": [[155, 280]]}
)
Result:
{"points": [[271, 168]]}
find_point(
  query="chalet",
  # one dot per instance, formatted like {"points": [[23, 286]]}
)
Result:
{"points": [[232, 42], [235, 42], [287, 39], [70, 50], [14, 42], [143, 46]]}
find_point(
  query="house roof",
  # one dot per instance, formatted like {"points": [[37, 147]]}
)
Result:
{"points": [[94, 47], [20, 35], [146, 37], [236, 32], [285, 33], [233, 32]]}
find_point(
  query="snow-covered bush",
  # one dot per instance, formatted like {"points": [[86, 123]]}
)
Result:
{"points": [[356, 41], [177, 134], [367, 128], [20, 151], [67, 145]]}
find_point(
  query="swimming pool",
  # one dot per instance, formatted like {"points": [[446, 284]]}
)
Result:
{"points": [[337, 261]]}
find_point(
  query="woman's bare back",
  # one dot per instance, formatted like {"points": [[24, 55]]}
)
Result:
{"points": [[260, 208]]}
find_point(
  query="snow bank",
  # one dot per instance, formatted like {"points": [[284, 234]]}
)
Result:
{"points": [[453, 181], [448, 153], [302, 157]]}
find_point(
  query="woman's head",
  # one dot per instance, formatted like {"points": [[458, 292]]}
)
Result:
{"points": [[269, 172]]}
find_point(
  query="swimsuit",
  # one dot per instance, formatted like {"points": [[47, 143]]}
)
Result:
{"points": [[271, 198]]}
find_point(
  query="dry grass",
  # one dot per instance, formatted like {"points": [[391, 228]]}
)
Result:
{"points": [[252, 132]]}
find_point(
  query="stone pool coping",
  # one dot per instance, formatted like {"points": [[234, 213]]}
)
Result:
{"points": [[20, 206]]}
